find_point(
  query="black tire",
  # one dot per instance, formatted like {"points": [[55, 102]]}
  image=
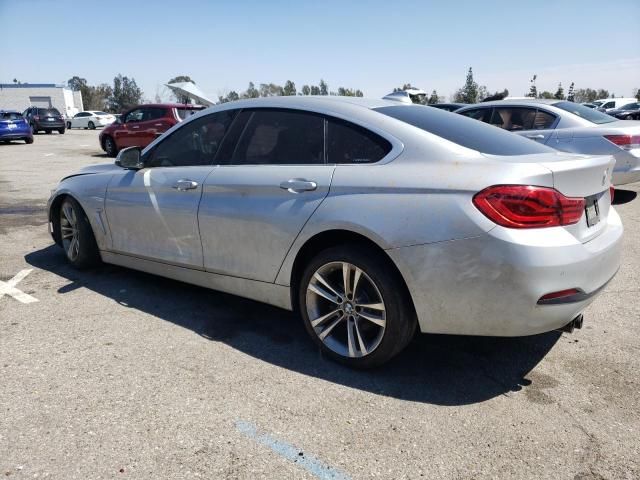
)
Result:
{"points": [[91, 125], [33, 129], [85, 253], [399, 314], [28, 140], [68, 125], [110, 147], [61, 131], [48, 132]]}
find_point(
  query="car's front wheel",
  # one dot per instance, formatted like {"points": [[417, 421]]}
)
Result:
{"points": [[28, 140], [69, 125], [355, 306], [76, 235]]}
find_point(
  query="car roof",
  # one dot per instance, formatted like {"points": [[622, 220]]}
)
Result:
{"points": [[521, 101], [304, 101], [168, 105]]}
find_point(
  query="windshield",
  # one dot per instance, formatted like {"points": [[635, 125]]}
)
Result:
{"points": [[10, 116], [49, 112], [589, 114], [464, 131]]}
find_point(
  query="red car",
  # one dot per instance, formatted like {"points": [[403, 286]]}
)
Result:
{"points": [[141, 125]]}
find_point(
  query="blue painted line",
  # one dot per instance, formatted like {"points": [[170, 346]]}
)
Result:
{"points": [[310, 463]]}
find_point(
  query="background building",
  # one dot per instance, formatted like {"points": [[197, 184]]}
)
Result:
{"points": [[20, 96]]}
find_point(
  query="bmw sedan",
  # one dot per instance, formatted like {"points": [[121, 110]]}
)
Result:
{"points": [[568, 127], [370, 218]]}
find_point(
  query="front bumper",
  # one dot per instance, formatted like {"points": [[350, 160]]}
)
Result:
{"points": [[491, 284]]}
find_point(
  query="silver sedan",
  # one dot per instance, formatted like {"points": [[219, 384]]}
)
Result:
{"points": [[568, 127], [370, 218]]}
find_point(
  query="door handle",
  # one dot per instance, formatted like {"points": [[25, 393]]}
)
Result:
{"points": [[297, 185], [536, 137], [185, 184]]}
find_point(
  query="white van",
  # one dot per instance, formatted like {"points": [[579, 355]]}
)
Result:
{"points": [[611, 103]]}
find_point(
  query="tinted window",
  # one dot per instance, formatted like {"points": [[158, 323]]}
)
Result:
{"points": [[609, 105], [100, 113], [136, 115], [513, 118], [583, 112], [349, 143], [482, 114], [543, 120], [48, 112], [10, 116], [196, 143], [464, 131], [631, 106], [281, 137], [153, 113]]}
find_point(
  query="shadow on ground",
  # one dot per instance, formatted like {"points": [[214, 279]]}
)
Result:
{"points": [[438, 369]]}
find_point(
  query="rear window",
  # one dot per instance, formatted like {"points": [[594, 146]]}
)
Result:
{"points": [[10, 116], [100, 113], [631, 106], [464, 131], [589, 114], [52, 112], [349, 143]]}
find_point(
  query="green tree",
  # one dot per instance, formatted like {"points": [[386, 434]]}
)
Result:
{"points": [[559, 93], [469, 92], [181, 79], [636, 93], [75, 83], [602, 93], [125, 94], [546, 95], [570, 94], [533, 90], [271, 90], [251, 92], [230, 97], [315, 90], [97, 97], [433, 99], [306, 90], [323, 88], [289, 88]]}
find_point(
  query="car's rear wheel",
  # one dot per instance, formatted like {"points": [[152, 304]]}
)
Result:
{"points": [[76, 235], [28, 140], [92, 125], [355, 306], [61, 131], [69, 125], [110, 147]]}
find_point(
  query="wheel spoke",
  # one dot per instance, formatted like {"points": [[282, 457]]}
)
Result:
{"points": [[323, 318], [328, 330], [346, 278], [72, 246], [322, 280], [363, 347], [351, 341], [320, 291], [356, 279], [68, 213], [372, 306], [378, 321]]}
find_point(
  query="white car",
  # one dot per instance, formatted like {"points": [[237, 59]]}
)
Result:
{"points": [[90, 119], [609, 104]]}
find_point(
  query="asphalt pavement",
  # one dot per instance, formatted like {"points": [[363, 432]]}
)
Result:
{"points": [[112, 373]]}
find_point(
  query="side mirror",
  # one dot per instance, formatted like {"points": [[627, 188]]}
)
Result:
{"points": [[130, 158]]}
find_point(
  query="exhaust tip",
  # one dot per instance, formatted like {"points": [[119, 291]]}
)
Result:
{"points": [[576, 323]]}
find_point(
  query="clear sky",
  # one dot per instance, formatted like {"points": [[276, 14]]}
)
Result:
{"points": [[373, 45]]}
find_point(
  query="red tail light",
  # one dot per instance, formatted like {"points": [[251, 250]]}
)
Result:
{"points": [[561, 294], [625, 141], [522, 206], [612, 192]]}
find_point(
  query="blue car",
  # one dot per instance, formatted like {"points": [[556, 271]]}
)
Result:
{"points": [[13, 126]]}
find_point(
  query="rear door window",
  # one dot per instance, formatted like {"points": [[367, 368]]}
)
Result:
{"points": [[513, 118], [281, 137], [153, 113], [136, 115], [349, 143], [482, 114], [543, 120]]}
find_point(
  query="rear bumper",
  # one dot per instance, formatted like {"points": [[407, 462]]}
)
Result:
{"points": [[491, 284], [16, 135], [49, 125]]}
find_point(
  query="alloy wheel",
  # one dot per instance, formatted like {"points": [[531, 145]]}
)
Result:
{"points": [[346, 309], [69, 231]]}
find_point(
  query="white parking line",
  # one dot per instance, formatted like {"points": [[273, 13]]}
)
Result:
{"points": [[49, 154], [9, 288]]}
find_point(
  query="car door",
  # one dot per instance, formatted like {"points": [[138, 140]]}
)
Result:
{"points": [[125, 134], [145, 131], [271, 176], [152, 212]]}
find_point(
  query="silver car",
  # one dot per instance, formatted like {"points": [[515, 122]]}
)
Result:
{"points": [[372, 219], [568, 127]]}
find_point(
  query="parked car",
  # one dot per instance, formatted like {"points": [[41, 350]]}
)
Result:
{"points": [[630, 111], [90, 119], [589, 105], [44, 119], [13, 126], [609, 104], [568, 127], [142, 124], [372, 218], [449, 107]]}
